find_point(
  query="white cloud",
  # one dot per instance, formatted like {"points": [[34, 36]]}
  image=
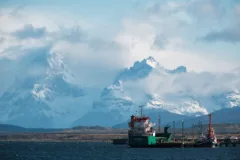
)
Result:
{"points": [[237, 10], [139, 38], [166, 31], [89, 56], [177, 87], [95, 56], [30, 32], [9, 23], [40, 17]]}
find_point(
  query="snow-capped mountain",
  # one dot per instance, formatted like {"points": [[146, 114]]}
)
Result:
{"points": [[142, 69], [184, 106], [44, 93], [138, 85]]}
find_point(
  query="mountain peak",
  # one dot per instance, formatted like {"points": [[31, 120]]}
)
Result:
{"points": [[140, 69], [151, 62], [151, 58]]}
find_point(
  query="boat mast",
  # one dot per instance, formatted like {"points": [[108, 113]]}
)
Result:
{"points": [[141, 110], [210, 130], [174, 130], [193, 131], [159, 122], [182, 131], [200, 127], [210, 122]]}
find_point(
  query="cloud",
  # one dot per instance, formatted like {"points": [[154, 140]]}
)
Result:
{"points": [[195, 85], [227, 35], [165, 7], [17, 10], [92, 59], [11, 23], [188, 11], [30, 32], [2, 40], [160, 41], [175, 89], [74, 34], [208, 9], [96, 53], [226, 22], [89, 56], [138, 40], [237, 10]]}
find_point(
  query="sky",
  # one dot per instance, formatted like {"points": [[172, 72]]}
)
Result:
{"points": [[101, 37]]}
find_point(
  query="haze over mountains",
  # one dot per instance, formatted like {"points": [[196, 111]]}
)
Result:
{"points": [[47, 94], [62, 66], [222, 116]]}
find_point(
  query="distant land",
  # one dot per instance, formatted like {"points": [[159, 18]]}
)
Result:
{"points": [[9, 129], [98, 133], [102, 134], [225, 120], [5, 128]]}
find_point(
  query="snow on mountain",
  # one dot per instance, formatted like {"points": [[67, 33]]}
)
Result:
{"points": [[121, 99], [142, 69], [112, 108], [138, 70], [44, 93], [151, 62], [234, 98], [179, 92], [186, 106]]}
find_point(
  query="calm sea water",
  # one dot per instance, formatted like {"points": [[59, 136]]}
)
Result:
{"points": [[103, 151]]}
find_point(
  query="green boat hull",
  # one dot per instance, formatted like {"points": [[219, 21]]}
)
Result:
{"points": [[142, 140], [153, 142]]}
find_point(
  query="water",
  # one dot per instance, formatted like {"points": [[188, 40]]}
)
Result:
{"points": [[104, 151]]}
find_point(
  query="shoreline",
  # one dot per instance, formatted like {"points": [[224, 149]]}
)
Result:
{"points": [[77, 137], [60, 137], [56, 141]]}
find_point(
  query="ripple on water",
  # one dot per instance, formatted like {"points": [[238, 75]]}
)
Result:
{"points": [[103, 151]]}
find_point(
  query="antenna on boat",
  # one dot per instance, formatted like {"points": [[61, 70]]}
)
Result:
{"points": [[210, 121], [159, 122], [183, 131], [193, 130], [210, 132], [174, 130], [201, 127]]}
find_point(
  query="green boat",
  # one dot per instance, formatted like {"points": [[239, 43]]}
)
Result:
{"points": [[141, 134]]}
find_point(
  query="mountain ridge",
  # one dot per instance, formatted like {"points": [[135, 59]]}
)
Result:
{"points": [[121, 98], [42, 80], [46, 94]]}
